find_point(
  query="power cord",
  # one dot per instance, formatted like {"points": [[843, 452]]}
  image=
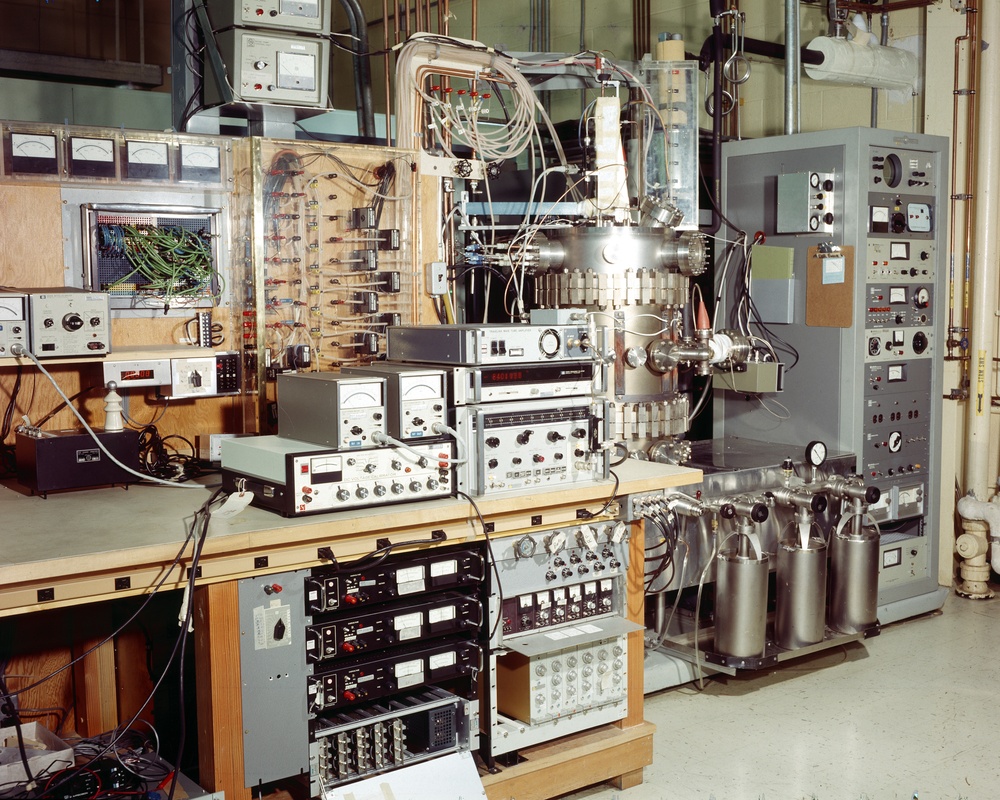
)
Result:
{"points": [[20, 350]]}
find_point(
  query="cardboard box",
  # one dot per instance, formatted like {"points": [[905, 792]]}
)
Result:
{"points": [[47, 753]]}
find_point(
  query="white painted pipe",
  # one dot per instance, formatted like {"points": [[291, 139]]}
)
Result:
{"points": [[984, 511], [863, 63], [983, 294]]}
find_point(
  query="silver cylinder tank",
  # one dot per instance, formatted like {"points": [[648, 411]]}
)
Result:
{"points": [[853, 606], [800, 601], [740, 605]]}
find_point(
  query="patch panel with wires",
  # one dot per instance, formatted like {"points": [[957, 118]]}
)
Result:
{"points": [[148, 258]]}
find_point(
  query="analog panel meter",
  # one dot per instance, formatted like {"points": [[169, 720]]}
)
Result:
{"points": [[33, 154]]}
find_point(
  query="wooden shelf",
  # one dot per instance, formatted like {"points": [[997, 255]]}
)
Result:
{"points": [[130, 354]]}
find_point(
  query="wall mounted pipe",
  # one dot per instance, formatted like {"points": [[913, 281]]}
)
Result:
{"points": [[985, 277], [970, 546], [792, 67], [362, 67]]}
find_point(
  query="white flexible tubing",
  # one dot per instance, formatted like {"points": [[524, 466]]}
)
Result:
{"points": [[18, 350], [383, 438]]}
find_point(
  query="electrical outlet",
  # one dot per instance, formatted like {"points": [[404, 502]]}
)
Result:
{"points": [[437, 278]]}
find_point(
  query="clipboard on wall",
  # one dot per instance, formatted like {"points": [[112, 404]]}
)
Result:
{"points": [[830, 287]]}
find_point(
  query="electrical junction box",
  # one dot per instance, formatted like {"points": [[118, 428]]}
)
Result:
{"points": [[289, 15], [756, 377], [273, 68], [805, 203]]}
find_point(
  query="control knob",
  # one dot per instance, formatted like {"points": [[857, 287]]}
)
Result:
{"points": [[379, 490], [415, 487], [524, 436], [397, 488], [343, 494], [361, 492], [72, 322]]}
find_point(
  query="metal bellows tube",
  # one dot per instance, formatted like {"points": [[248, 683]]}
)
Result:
{"points": [[800, 600], [853, 606], [741, 604]]}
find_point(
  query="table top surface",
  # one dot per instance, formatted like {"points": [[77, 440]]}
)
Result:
{"points": [[110, 528]]}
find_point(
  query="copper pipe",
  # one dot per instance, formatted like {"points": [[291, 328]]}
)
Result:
{"points": [[474, 34], [963, 192], [387, 62]]}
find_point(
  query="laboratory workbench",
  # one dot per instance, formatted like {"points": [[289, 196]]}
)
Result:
{"points": [[95, 545]]}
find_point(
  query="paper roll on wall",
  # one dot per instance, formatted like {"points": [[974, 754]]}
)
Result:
{"points": [[845, 61]]}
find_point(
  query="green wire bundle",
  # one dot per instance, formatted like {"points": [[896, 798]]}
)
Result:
{"points": [[172, 261]]}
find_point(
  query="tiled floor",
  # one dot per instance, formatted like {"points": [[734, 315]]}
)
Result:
{"points": [[909, 714]]}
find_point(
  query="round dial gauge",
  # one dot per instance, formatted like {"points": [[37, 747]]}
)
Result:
{"points": [[524, 547], [814, 180], [921, 297], [548, 343], [895, 442], [816, 453]]}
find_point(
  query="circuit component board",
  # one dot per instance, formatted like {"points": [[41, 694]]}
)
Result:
{"points": [[337, 253]]}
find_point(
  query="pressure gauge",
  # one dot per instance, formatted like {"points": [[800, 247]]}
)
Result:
{"points": [[524, 547], [816, 453], [814, 180]]}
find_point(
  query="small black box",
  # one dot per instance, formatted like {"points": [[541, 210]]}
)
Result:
{"points": [[54, 460]]}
